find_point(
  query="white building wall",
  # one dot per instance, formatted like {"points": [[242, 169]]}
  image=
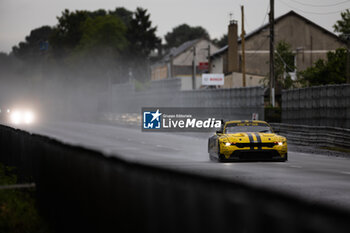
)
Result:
{"points": [[235, 80], [216, 65]]}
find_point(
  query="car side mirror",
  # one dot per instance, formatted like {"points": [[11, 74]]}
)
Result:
{"points": [[218, 131]]}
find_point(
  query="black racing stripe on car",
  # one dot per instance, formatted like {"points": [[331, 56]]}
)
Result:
{"points": [[251, 140], [259, 140]]}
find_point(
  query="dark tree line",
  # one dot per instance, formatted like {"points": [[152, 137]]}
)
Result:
{"points": [[94, 44], [99, 45]]}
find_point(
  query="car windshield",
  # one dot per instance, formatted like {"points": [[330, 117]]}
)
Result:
{"points": [[248, 128]]}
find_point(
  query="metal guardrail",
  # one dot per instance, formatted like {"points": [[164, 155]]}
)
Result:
{"points": [[314, 135], [81, 190]]}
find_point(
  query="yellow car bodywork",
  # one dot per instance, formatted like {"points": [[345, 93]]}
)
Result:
{"points": [[252, 145]]}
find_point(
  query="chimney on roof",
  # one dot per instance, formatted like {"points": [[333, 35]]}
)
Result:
{"points": [[232, 56]]}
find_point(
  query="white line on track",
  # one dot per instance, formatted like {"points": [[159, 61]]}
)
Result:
{"points": [[295, 166]]}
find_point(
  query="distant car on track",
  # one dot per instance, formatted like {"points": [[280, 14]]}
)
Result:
{"points": [[247, 140], [17, 116]]}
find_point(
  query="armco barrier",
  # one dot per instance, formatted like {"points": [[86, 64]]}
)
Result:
{"points": [[314, 135], [81, 190]]}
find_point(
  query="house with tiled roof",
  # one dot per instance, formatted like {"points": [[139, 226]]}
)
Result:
{"points": [[177, 63], [309, 42]]}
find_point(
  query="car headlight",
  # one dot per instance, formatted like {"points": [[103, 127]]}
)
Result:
{"points": [[228, 144], [28, 117], [20, 117], [16, 117]]}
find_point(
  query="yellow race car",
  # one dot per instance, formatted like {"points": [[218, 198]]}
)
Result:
{"points": [[247, 140]]}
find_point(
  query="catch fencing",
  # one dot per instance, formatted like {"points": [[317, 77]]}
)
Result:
{"points": [[318, 106], [81, 190], [234, 103]]}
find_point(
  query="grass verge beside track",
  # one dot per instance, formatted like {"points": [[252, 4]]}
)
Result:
{"points": [[18, 212]]}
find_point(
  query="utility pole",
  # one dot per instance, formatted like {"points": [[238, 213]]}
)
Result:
{"points": [[348, 59], [209, 66], [194, 68], [209, 52], [243, 49], [272, 50]]}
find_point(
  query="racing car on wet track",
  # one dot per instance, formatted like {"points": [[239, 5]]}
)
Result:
{"points": [[247, 140]]}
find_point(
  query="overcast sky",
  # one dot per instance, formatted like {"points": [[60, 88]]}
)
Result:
{"points": [[19, 17]]}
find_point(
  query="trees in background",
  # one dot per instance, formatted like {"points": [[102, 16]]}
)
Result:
{"points": [[284, 64], [331, 71], [342, 26], [67, 33], [141, 34], [183, 33], [33, 45], [142, 41], [102, 34], [107, 42], [223, 41]]}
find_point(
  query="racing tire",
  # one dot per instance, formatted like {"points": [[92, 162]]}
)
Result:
{"points": [[212, 158], [209, 146], [285, 159], [221, 157]]}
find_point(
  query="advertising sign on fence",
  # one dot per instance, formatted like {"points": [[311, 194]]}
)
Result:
{"points": [[213, 79]]}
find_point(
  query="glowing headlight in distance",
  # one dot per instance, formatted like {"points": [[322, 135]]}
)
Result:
{"points": [[28, 117], [228, 144], [8, 111], [16, 117], [20, 117], [280, 143]]}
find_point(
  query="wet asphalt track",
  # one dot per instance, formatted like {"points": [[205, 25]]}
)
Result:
{"points": [[318, 178]]}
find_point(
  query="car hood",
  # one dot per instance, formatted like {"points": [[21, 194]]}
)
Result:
{"points": [[245, 136]]}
